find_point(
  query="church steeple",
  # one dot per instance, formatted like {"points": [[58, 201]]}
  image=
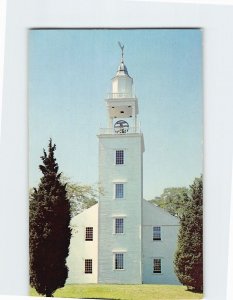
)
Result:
{"points": [[122, 139]]}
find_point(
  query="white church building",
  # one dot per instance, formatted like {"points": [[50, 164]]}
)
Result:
{"points": [[123, 239]]}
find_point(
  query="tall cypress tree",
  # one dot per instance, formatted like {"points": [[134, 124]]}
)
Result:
{"points": [[189, 256], [49, 232]]}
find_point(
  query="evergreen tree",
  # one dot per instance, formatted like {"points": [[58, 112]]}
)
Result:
{"points": [[189, 256], [49, 232]]}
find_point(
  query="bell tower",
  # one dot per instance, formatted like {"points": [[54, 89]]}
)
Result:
{"points": [[121, 150], [121, 102]]}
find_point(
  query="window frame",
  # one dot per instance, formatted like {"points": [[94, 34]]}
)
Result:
{"points": [[119, 157], [118, 228], [119, 194], [119, 264], [88, 266], [157, 265], [89, 231], [156, 233]]}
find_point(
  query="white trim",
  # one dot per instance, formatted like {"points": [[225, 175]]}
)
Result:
{"points": [[120, 148], [119, 251], [119, 181], [119, 216]]}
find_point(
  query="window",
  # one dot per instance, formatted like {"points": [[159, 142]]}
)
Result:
{"points": [[119, 190], [88, 266], [157, 265], [119, 157], [156, 233], [119, 261], [119, 225], [89, 234]]}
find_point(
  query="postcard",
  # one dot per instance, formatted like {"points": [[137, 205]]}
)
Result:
{"points": [[116, 163]]}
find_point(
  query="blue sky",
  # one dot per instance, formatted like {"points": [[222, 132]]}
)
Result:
{"points": [[70, 75]]}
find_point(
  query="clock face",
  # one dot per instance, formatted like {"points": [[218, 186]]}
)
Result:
{"points": [[121, 126]]}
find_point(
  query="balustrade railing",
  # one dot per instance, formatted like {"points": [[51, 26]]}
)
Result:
{"points": [[122, 131], [120, 95]]}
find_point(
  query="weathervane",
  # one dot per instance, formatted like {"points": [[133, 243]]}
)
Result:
{"points": [[122, 50]]}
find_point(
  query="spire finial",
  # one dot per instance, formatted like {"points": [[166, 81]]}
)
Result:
{"points": [[122, 51]]}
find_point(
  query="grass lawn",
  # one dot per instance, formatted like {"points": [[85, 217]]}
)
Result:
{"points": [[124, 292]]}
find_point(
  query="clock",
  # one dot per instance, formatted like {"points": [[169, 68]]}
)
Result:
{"points": [[121, 126]]}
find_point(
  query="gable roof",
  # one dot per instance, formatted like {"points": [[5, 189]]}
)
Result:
{"points": [[85, 213], [154, 214]]}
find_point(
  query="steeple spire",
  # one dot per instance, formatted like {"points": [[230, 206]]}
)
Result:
{"points": [[122, 51], [122, 70]]}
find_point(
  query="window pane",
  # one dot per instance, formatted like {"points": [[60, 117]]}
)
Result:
{"points": [[156, 233], [89, 234], [119, 192], [88, 266], [157, 265], [119, 157], [119, 225], [119, 261]]}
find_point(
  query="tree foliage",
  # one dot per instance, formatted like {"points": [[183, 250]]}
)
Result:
{"points": [[49, 232], [81, 196], [172, 200], [189, 256]]}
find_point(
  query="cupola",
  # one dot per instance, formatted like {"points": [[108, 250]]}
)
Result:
{"points": [[122, 105], [122, 83]]}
